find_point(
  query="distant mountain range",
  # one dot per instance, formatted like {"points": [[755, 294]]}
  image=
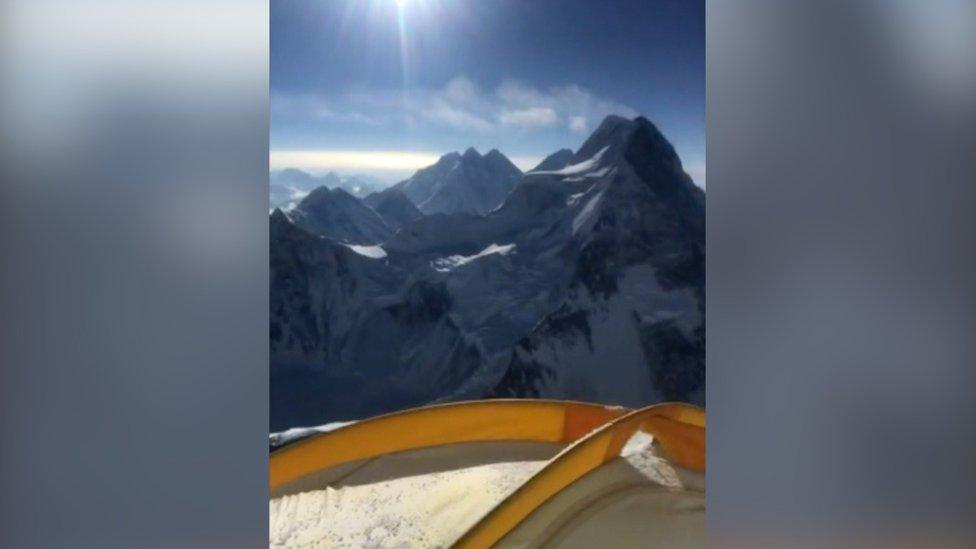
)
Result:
{"points": [[581, 279], [289, 186]]}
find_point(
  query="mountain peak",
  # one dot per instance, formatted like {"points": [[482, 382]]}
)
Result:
{"points": [[324, 198], [469, 182], [336, 214], [316, 194], [555, 161], [279, 223], [278, 216], [500, 162], [621, 135], [339, 191], [615, 120], [613, 132], [446, 158]]}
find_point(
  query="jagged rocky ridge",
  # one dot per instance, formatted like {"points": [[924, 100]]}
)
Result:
{"points": [[586, 282]]}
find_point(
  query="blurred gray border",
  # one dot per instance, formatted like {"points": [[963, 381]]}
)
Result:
{"points": [[134, 289], [841, 312]]}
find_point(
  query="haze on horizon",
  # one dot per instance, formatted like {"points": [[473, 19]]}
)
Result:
{"points": [[384, 87]]}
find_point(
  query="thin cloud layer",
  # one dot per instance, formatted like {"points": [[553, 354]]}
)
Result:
{"points": [[461, 108], [460, 105]]}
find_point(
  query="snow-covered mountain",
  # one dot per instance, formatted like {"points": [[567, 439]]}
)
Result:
{"points": [[466, 182], [336, 214], [290, 185], [586, 282], [630, 325]]}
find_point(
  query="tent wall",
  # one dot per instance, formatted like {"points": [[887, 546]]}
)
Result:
{"points": [[498, 420], [679, 428], [593, 437]]}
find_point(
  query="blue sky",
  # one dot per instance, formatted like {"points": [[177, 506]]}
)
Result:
{"points": [[386, 86]]}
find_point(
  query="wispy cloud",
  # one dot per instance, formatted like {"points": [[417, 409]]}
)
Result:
{"points": [[442, 112], [530, 117], [460, 105], [351, 160], [577, 124]]}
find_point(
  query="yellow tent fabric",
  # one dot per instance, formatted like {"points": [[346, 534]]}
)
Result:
{"points": [[503, 419], [556, 444]]}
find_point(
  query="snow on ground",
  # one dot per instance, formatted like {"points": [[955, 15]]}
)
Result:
{"points": [[446, 264], [579, 168], [374, 252]]}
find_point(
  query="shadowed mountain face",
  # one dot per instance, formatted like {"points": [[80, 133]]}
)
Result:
{"points": [[394, 207], [340, 216], [586, 281]]}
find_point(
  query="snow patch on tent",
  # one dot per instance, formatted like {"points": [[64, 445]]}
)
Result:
{"points": [[378, 505]]}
